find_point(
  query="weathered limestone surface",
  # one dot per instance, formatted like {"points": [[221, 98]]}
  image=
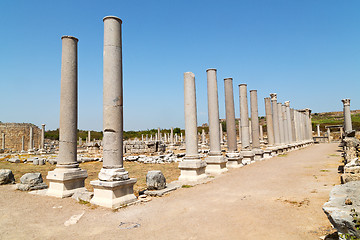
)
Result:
{"points": [[14, 133], [31, 181], [344, 198], [155, 180], [6, 176]]}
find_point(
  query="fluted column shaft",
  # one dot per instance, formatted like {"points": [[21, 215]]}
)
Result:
{"points": [[275, 118], [281, 123], [289, 124]]}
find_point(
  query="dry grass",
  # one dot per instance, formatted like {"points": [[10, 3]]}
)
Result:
{"points": [[136, 170]]}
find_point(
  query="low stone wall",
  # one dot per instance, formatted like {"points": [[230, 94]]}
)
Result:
{"points": [[139, 147], [15, 131]]}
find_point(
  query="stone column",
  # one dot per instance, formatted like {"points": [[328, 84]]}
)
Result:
{"points": [[172, 136], [261, 134], [221, 134], [239, 123], [158, 135], [341, 131], [89, 137], [288, 118], [232, 154], [347, 116], [3, 140], [281, 124], [309, 124], [329, 135], [275, 118], [293, 125], [203, 137], [286, 127], [318, 130], [216, 163], [67, 176], [42, 144], [181, 137], [114, 187], [22, 144], [269, 122], [80, 141], [250, 132], [192, 168], [31, 142], [259, 153], [248, 155]]}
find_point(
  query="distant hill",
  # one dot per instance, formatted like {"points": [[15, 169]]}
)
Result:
{"points": [[334, 118]]}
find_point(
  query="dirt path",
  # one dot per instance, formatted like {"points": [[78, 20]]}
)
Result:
{"points": [[279, 198]]}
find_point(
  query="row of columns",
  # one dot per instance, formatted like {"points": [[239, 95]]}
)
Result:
{"points": [[287, 129], [113, 187]]}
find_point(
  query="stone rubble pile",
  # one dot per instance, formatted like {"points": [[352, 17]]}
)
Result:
{"points": [[161, 159]]}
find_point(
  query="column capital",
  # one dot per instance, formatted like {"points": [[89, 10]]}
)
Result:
{"points": [[287, 103], [346, 101], [273, 96]]}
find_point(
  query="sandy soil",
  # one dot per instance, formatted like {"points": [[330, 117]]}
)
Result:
{"points": [[279, 198]]}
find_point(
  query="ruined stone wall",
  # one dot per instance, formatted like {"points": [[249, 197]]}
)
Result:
{"points": [[138, 147], [15, 131]]}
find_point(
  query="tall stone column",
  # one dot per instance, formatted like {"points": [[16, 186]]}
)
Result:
{"points": [[67, 176], [269, 122], [232, 154], [203, 137], [114, 187], [216, 163], [288, 118], [22, 144], [275, 118], [318, 130], [329, 135], [192, 168], [309, 124], [239, 125], [3, 140], [31, 142], [281, 124], [221, 134], [158, 135], [89, 137], [347, 116], [285, 123], [172, 135], [293, 125], [261, 134], [248, 155], [259, 153], [42, 143]]}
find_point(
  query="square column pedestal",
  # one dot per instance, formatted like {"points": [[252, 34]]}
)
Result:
{"points": [[258, 154], [248, 156], [216, 164], [64, 182], [113, 194], [267, 152], [234, 160], [192, 170]]}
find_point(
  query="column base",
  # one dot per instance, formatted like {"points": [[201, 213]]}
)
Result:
{"points": [[258, 154], [192, 170], [248, 157], [113, 194], [267, 153], [31, 151], [64, 182], [216, 164], [234, 160]]}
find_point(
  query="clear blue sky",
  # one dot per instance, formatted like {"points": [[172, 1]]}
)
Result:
{"points": [[307, 51]]}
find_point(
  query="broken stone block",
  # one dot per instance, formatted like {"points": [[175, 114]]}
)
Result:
{"points": [[82, 195], [6, 176], [342, 215], [31, 181], [155, 180], [14, 160]]}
